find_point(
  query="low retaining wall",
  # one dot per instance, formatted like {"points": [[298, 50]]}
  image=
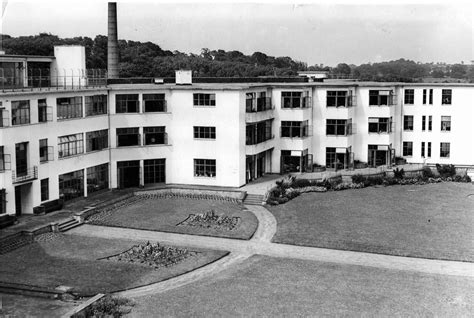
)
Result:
{"points": [[236, 196]]}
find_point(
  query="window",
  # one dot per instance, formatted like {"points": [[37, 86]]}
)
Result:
{"points": [[97, 178], [295, 100], [70, 107], [128, 137], [429, 150], [408, 148], [379, 125], [126, 103], [205, 168], [263, 102], [408, 123], [258, 132], [446, 97], [70, 145], [250, 102], [203, 132], [71, 185], [336, 127], [154, 170], [294, 129], [430, 97], [381, 98], [155, 135], [3, 201], [97, 140], [44, 112], [5, 163], [338, 99], [20, 112], [430, 123], [96, 105], [444, 150], [154, 103], [445, 123], [409, 96], [44, 184], [422, 149], [423, 123], [45, 152], [204, 99]]}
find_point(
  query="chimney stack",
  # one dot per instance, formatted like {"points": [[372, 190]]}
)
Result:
{"points": [[112, 42]]}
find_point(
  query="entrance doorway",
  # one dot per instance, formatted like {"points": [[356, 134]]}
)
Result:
{"points": [[379, 155], [257, 165], [296, 161], [128, 174]]}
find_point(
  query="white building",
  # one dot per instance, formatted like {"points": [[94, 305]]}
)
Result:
{"points": [[65, 133]]}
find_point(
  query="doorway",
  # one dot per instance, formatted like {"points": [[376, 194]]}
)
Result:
{"points": [[18, 201], [128, 174]]}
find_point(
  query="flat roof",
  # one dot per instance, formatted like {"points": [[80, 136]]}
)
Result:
{"points": [[28, 58]]}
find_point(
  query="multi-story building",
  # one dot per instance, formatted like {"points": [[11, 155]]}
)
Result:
{"points": [[66, 133]]}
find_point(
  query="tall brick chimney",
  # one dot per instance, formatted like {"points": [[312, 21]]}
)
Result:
{"points": [[112, 42]]}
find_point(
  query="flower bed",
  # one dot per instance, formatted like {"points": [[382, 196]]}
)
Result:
{"points": [[210, 219], [291, 187], [152, 254]]}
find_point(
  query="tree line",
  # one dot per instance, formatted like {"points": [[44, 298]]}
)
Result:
{"points": [[147, 59]]}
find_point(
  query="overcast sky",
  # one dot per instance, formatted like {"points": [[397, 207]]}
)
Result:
{"points": [[315, 32]]}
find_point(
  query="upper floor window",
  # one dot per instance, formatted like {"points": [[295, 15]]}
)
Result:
{"points": [[428, 96], [381, 98], [408, 148], [155, 135], [294, 129], [338, 99], [97, 140], [127, 103], [446, 96], [445, 123], [154, 103], [337, 127], [45, 112], [257, 104], [20, 112], [295, 100], [128, 137], [408, 123], [45, 152], [379, 125], [44, 186], [423, 123], [205, 168], [204, 132], [96, 105], [258, 132], [5, 163], [409, 97], [444, 150], [204, 99], [70, 145], [69, 107]]}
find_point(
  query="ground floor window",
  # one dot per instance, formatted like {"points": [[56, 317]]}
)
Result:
{"points": [[408, 148], [444, 149], [154, 171], [3, 201], [97, 178], [71, 185], [44, 189], [205, 168], [128, 173], [296, 161]]}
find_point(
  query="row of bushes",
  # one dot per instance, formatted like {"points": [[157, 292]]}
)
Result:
{"points": [[291, 187]]}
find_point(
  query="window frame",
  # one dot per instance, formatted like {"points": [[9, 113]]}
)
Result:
{"points": [[445, 123], [127, 103], [157, 132], [205, 168], [70, 145], [95, 105], [444, 149], [69, 108], [204, 99], [97, 140], [154, 103], [381, 122], [21, 112], [44, 189], [204, 132], [407, 149], [408, 123], [127, 131], [446, 96], [409, 96]]}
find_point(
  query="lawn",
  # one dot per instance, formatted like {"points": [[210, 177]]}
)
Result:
{"points": [[274, 287], [165, 215], [73, 261], [430, 221]]}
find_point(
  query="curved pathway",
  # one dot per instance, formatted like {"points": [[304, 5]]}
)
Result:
{"points": [[261, 244]]}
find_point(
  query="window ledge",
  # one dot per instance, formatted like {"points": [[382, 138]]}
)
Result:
{"points": [[203, 177], [203, 106], [69, 119], [155, 113], [208, 139], [156, 145], [73, 156]]}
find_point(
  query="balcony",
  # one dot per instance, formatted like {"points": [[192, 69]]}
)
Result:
{"points": [[25, 175]]}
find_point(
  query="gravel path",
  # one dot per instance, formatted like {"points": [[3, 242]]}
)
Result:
{"points": [[261, 244]]}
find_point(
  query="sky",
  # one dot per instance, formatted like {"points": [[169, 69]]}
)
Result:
{"points": [[315, 32]]}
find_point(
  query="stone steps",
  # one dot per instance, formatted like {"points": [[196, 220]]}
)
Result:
{"points": [[253, 199], [69, 224]]}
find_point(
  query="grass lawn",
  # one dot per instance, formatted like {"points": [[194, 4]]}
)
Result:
{"points": [[431, 221], [165, 214], [275, 287], [25, 306], [73, 261]]}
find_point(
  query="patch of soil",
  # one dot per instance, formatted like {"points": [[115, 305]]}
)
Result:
{"points": [[210, 219]]}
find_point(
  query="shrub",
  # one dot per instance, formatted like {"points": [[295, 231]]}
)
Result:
{"points": [[399, 173], [358, 178], [301, 183], [109, 306], [427, 173], [376, 180], [446, 171], [291, 193]]}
